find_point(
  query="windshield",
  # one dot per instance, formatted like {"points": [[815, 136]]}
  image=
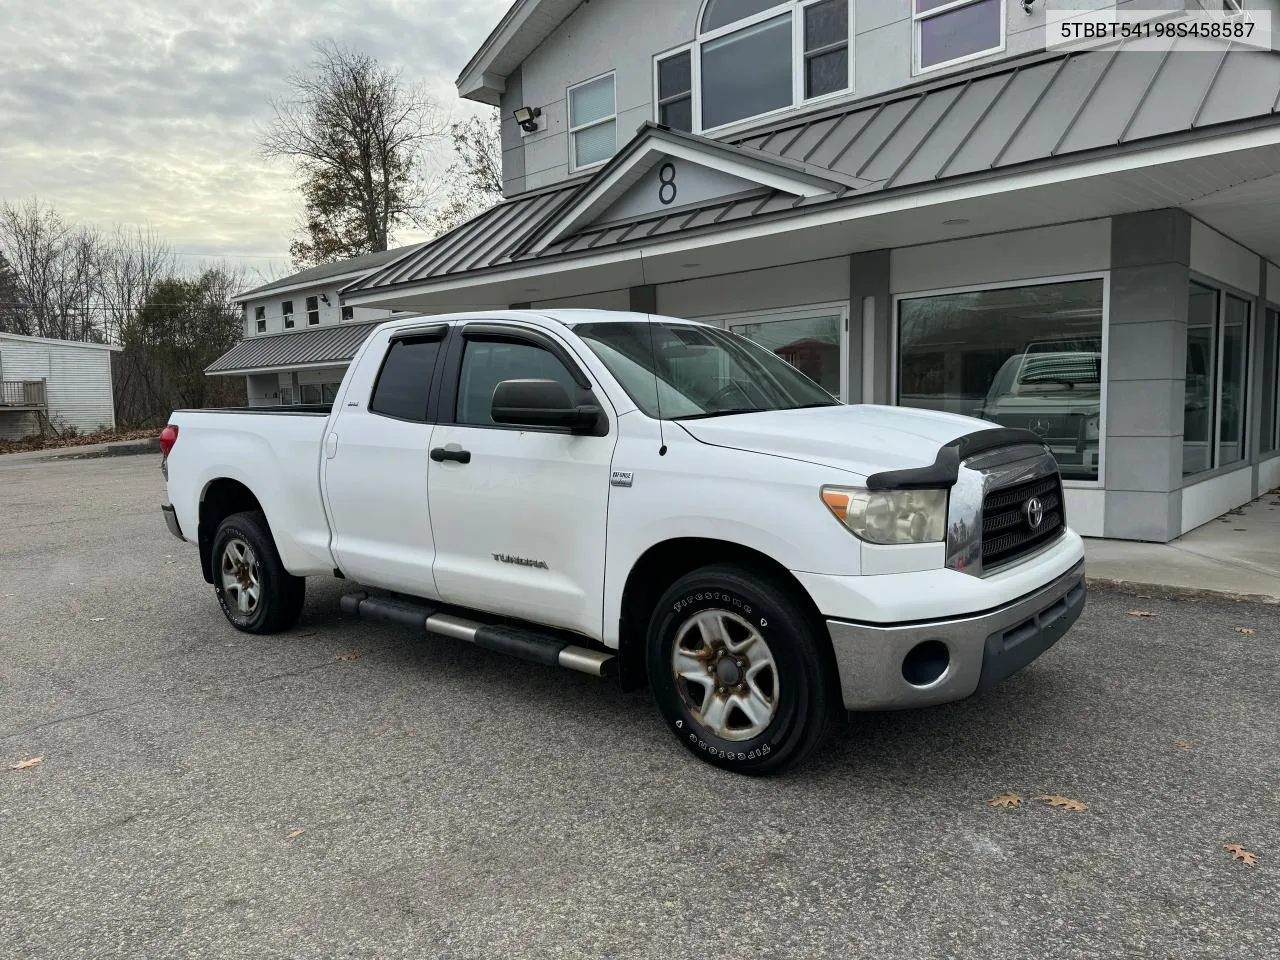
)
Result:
{"points": [[676, 371]]}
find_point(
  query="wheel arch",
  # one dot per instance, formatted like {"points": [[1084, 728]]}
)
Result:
{"points": [[666, 562], [220, 499]]}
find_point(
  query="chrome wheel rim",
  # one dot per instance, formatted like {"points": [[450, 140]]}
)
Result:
{"points": [[241, 576], [726, 674]]}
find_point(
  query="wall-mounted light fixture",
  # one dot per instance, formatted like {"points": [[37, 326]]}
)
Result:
{"points": [[1027, 5], [324, 297], [527, 117]]}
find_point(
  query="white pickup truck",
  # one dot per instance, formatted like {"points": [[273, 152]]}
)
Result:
{"points": [[648, 497]]}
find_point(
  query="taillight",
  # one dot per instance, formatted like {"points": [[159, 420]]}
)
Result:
{"points": [[168, 437]]}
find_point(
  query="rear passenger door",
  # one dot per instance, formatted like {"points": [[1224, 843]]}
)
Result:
{"points": [[375, 464]]}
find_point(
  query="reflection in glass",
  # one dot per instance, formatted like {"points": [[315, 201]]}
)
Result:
{"points": [[1202, 367], [1026, 357], [811, 345]]}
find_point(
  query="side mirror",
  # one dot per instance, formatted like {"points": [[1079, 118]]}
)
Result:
{"points": [[542, 403]]}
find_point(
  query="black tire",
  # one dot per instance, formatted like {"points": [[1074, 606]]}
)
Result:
{"points": [[273, 596], [802, 693]]}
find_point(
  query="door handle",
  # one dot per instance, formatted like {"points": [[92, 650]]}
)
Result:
{"points": [[457, 455]]}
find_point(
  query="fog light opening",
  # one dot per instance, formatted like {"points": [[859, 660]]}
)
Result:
{"points": [[925, 663]]}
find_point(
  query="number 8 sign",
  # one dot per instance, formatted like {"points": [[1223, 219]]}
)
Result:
{"points": [[667, 184]]}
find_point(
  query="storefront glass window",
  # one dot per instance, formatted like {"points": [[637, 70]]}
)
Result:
{"points": [[1202, 372], [1216, 410], [1270, 381], [1235, 348], [1027, 357], [810, 344]]}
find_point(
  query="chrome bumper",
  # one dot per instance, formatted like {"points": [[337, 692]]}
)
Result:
{"points": [[983, 649]]}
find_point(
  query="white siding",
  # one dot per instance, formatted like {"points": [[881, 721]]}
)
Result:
{"points": [[78, 383], [330, 313], [1218, 258]]}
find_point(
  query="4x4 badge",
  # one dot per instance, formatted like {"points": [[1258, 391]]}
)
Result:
{"points": [[621, 478]]}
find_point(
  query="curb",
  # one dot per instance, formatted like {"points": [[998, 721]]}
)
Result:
{"points": [[1163, 591], [123, 448]]}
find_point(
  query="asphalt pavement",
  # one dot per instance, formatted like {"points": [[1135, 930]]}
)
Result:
{"points": [[353, 790]]}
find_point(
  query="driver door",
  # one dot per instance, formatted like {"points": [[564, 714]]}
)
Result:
{"points": [[518, 513]]}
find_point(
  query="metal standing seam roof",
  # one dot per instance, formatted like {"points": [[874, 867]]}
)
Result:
{"points": [[328, 344], [325, 271], [1044, 108]]}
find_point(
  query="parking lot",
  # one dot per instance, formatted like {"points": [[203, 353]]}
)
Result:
{"points": [[352, 790]]}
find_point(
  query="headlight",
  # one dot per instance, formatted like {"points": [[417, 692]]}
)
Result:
{"points": [[890, 516]]}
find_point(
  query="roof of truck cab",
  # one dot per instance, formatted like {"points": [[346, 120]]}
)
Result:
{"points": [[565, 317]]}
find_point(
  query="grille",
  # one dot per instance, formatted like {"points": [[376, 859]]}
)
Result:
{"points": [[1006, 534]]}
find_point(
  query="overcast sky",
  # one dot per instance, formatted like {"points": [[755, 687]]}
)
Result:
{"points": [[144, 111]]}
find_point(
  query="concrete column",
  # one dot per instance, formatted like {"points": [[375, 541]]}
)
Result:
{"points": [[644, 299], [870, 324], [1146, 375]]}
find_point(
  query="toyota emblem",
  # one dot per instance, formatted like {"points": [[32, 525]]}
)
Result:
{"points": [[1033, 512], [1041, 426]]}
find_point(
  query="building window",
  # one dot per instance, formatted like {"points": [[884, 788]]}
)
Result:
{"points": [[593, 123], [752, 58], [810, 339], [313, 311], [286, 308], [674, 79], [1271, 382], [1214, 412], [953, 31], [260, 318], [1027, 357], [348, 314]]}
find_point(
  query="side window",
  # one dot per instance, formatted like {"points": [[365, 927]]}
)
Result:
{"points": [[404, 382], [486, 363]]}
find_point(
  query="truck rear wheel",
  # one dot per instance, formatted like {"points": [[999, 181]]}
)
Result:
{"points": [[256, 593], [739, 671]]}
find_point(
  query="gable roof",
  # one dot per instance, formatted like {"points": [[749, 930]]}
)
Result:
{"points": [[356, 266], [1037, 112]]}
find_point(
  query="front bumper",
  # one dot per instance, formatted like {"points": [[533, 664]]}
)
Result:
{"points": [[171, 521], [982, 649]]}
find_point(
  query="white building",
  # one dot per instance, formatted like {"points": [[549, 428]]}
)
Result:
{"points": [[299, 337], [64, 380]]}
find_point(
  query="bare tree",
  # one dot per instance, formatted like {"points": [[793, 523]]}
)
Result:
{"points": [[473, 181], [134, 261], [356, 131], [13, 299], [58, 267]]}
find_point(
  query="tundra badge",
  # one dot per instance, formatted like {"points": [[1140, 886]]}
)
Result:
{"points": [[621, 478]]}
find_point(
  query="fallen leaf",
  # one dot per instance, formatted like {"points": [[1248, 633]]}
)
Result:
{"points": [[296, 833], [1240, 853], [1006, 800], [1182, 744], [1141, 613], [1248, 630], [1066, 803], [23, 764], [347, 656]]}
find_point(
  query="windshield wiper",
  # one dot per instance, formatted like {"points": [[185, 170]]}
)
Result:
{"points": [[718, 413]]}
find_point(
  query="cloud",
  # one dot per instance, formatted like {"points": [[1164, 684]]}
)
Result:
{"points": [[147, 111]]}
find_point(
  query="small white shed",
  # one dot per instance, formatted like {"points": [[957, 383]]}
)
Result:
{"points": [[67, 381]]}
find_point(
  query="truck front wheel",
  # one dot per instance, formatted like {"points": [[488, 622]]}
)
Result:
{"points": [[256, 593], [739, 671]]}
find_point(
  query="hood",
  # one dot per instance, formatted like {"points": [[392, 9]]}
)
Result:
{"points": [[862, 439]]}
